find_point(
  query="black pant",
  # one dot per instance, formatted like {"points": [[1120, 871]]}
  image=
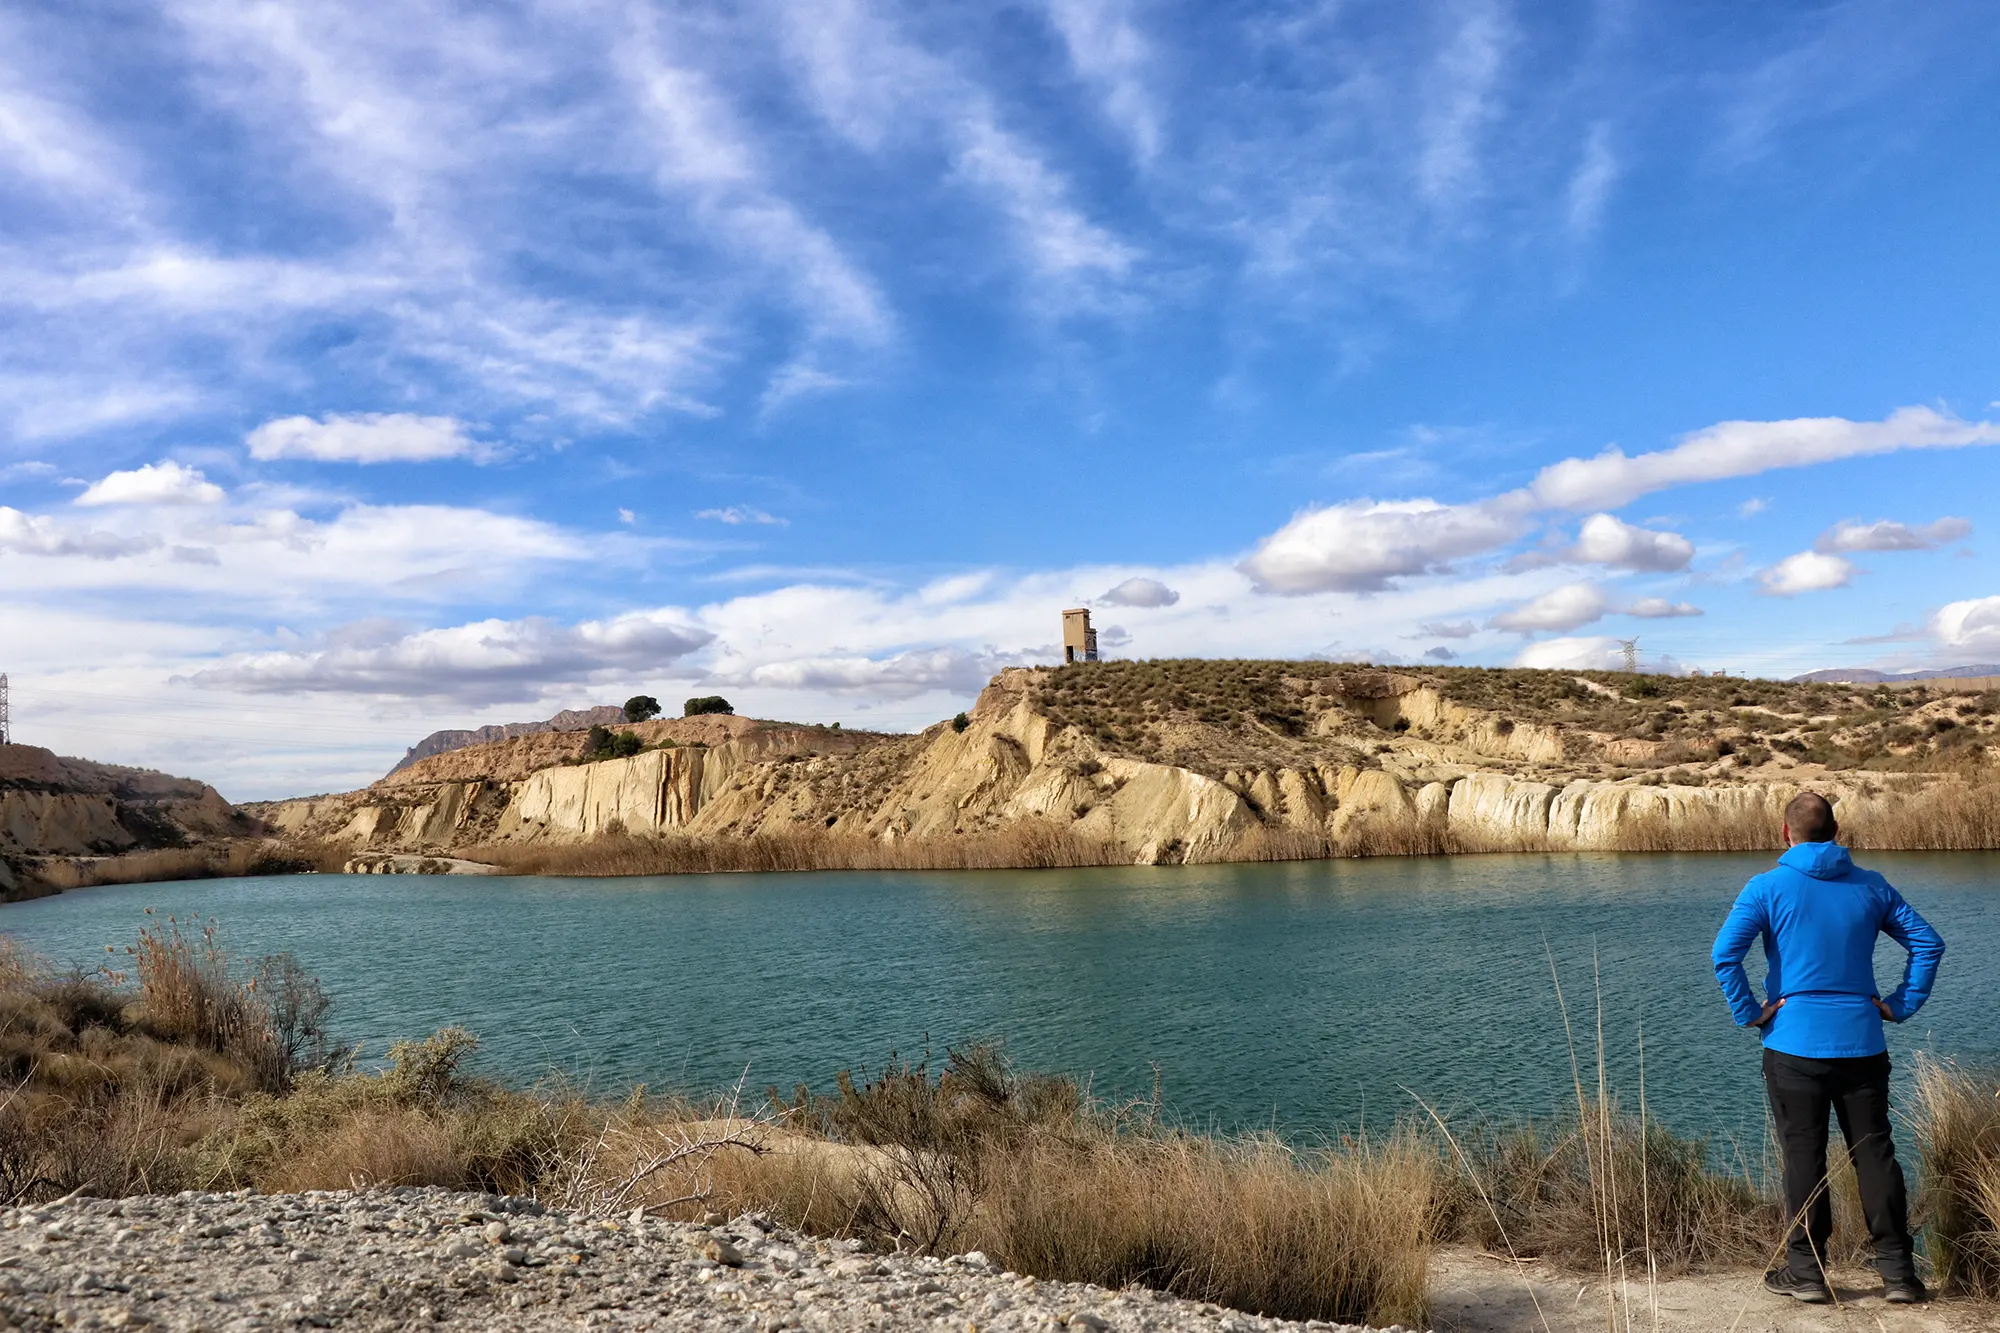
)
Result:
{"points": [[1857, 1090]]}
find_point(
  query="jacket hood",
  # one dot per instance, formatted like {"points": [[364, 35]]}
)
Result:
{"points": [[1821, 860]]}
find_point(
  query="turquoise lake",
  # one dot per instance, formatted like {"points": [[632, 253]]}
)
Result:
{"points": [[1305, 997]]}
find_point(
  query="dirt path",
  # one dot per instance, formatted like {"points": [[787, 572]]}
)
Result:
{"points": [[1474, 1293]]}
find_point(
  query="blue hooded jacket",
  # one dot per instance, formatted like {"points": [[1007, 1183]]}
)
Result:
{"points": [[1819, 914]]}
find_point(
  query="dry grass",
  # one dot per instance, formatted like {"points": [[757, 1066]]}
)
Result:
{"points": [[158, 1087], [1958, 1133], [202, 861], [1031, 844], [1946, 817]]}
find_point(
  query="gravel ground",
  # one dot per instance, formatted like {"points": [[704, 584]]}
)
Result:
{"points": [[426, 1258]]}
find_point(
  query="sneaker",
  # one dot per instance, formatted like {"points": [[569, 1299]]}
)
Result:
{"points": [[1905, 1291], [1811, 1290]]}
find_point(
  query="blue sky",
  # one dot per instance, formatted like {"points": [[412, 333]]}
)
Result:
{"points": [[373, 369]]}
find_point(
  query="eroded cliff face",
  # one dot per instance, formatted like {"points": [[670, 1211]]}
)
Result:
{"points": [[1444, 776], [54, 808]]}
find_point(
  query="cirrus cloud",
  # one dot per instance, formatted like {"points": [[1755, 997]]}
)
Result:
{"points": [[1747, 448]]}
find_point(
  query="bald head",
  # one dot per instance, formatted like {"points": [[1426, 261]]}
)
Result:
{"points": [[1809, 816]]}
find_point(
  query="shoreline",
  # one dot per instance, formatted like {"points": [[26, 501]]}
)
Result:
{"points": [[590, 861]]}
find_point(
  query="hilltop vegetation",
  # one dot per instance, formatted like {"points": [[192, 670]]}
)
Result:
{"points": [[1210, 716]]}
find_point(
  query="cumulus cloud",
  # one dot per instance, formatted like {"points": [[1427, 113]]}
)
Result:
{"points": [[32, 534], [1440, 629], [1972, 625], [1565, 608], [1605, 540], [1659, 608], [1747, 448], [1586, 653], [903, 675], [1141, 592], [1441, 654], [367, 437], [1360, 546], [166, 483], [1808, 571], [1887, 536], [740, 514], [489, 661]]}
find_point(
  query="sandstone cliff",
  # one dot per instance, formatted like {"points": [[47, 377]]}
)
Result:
{"points": [[1278, 760], [55, 810]]}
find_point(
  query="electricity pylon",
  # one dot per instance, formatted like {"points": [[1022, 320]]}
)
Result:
{"points": [[1630, 647]]}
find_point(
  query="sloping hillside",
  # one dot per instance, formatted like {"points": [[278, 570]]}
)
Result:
{"points": [[56, 813], [1203, 760]]}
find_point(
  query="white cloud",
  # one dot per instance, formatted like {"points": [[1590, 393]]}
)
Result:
{"points": [[1362, 545], [1140, 591], [1887, 536], [1748, 448], [32, 534], [1659, 608], [739, 514], [1587, 653], [1566, 608], [1606, 540], [627, 517], [1108, 50], [487, 661], [1970, 626], [1433, 629], [165, 483], [1752, 507], [1590, 188], [903, 675], [368, 437], [1808, 571]]}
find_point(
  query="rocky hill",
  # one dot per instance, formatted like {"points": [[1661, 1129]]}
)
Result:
{"points": [[1213, 760], [60, 818], [570, 719]]}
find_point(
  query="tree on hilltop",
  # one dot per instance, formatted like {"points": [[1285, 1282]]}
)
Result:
{"points": [[710, 703], [640, 707]]}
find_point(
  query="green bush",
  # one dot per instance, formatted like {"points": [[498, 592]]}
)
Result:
{"points": [[961, 722]]}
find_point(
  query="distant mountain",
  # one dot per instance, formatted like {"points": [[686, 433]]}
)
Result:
{"points": [[1868, 676], [570, 719]]}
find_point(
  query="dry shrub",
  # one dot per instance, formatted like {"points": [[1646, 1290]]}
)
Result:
{"points": [[199, 861], [1574, 1190], [1025, 1169], [1342, 1235], [1958, 1133], [1944, 817], [1701, 831], [373, 1147], [1033, 844], [419, 1122]]}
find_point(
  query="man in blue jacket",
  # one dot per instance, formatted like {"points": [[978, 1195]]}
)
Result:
{"points": [[1819, 914]]}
